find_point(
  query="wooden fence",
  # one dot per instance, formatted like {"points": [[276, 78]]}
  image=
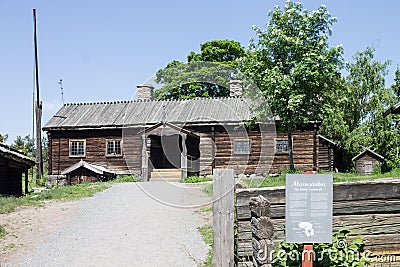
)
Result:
{"points": [[223, 213], [368, 208]]}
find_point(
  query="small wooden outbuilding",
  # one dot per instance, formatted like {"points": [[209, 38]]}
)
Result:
{"points": [[12, 165], [367, 161], [84, 172], [330, 155]]}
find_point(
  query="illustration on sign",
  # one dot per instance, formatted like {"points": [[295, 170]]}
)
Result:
{"points": [[308, 228], [309, 200]]}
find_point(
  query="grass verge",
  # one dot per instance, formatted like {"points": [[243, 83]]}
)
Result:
{"points": [[125, 179], [196, 179], [208, 189], [69, 193], [337, 178], [206, 232], [62, 193], [66, 193], [2, 232]]}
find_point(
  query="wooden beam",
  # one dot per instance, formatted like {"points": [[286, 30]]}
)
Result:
{"points": [[26, 184], [184, 158], [145, 167], [223, 221]]}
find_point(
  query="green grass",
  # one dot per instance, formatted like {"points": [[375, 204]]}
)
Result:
{"points": [[2, 232], [352, 177], [62, 193], [69, 193], [205, 209], [208, 189], [10, 204], [196, 179], [125, 179], [337, 177], [66, 193], [206, 232]]}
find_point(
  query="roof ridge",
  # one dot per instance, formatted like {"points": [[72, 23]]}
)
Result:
{"points": [[153, 100], [98, 103]]}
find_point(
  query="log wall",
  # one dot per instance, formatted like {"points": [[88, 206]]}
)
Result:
{"points": [[325, 157], [360, 163], [216, 150], [370, 209], [95, 150]]}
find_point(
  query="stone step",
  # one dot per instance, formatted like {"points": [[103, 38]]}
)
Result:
{"points": [[165, 175], [167, 170]]}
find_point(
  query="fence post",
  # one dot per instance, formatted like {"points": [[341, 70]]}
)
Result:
{"points": [[223, 215]]}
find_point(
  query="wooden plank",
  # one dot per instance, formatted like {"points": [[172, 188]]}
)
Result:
{"points": [[223, 221], [244, 230], [245, 248], [368, 208], [383, 226], [349, 191], [339, 208], [245, 264]]}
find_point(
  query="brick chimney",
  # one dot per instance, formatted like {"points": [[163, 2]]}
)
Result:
{"points": [[145, 92], [236, 88]]}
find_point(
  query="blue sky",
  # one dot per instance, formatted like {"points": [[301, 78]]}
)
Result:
{"points": [[102, 49]]}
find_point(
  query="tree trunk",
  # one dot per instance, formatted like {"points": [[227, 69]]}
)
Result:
{"points": [[290, 147]]}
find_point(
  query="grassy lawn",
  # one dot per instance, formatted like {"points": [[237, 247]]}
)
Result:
{"points": [[65, 193], [337, 177], [196, 179], [206, 232]]}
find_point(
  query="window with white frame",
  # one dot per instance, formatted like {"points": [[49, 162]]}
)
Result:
{"points": [[242, 147], [114, 148], [281, 146], [77, 148]]}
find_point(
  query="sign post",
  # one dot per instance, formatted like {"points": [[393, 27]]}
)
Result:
{"points": [[309, 199]]}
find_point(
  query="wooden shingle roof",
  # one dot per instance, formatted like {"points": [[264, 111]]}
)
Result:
{"points": [[392, 110], [371, 152], [90, 166], [9, 153], [138, 113]]}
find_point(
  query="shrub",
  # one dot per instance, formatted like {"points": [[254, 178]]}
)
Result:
{"points": [[338, 253]]}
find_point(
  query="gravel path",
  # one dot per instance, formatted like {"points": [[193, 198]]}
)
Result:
{"points": [[124, 226]]}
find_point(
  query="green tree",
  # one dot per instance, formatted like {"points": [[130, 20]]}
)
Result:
{"points": [[396, 85], [225, 52], [368, 100], [25, 144], [198, 78], [293, 65]]}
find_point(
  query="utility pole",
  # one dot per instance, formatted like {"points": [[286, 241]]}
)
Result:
{"points": [[38, 108]]}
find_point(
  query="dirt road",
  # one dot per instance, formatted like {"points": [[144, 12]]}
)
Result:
{"points": [[130, 224]]}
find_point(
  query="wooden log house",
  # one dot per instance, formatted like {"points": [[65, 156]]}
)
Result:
{"points": [[146, 137], [13, 165]]}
